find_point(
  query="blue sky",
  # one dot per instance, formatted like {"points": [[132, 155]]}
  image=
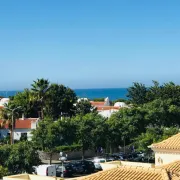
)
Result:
{"points": [[89, 44]]}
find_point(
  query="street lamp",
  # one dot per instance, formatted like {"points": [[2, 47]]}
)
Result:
{"points": [[62, 159], [12, 118]]}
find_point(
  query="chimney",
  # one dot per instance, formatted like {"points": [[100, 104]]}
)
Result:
{"points": [[22, 116]]}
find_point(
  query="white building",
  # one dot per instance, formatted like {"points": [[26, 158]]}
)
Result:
{"points": [[3, 101], [22, 128], [106, 102], [104, 108], [107, 113], [121, 105], [167, 151]]}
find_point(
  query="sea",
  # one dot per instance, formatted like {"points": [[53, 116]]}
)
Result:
{"points": [[112, 93]]}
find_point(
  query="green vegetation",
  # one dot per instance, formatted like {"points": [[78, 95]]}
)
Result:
{"points": [[84, 107], [19, 158], [99, 99], [3, 172], [68, 125]]}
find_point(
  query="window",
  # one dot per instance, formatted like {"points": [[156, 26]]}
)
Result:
{"points": [[23, 136]]}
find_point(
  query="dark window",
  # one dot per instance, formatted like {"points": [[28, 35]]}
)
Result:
{"points": [[23, 137]]}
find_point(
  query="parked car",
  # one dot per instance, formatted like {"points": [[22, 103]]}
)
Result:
{"points": [[66, 170], [88, 166], [98, 167], [110, 158], [77, 168], [99, 160], [119, 156]]}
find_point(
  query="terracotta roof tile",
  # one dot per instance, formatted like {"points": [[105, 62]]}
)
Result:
{"points": [[20, 124], [96, 104], [172, 143], [173, 169], [101, 108], [130, 173]]}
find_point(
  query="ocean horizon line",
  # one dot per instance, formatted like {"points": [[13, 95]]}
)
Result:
{"points": [[112, 93], [20, 90]]}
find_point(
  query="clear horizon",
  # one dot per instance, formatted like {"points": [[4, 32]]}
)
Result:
{"points": [[89, 44]]}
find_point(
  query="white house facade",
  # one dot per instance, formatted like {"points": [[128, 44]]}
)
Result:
{"points": [[22, 128], [107, 112], [167, 151]]}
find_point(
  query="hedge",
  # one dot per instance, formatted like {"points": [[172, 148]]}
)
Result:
{"points": [[75, 147]]}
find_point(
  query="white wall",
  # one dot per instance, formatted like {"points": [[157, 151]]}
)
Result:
{"points": [[107, 113], [139, 164], [162, 158], [34, 124], [17, 133]]}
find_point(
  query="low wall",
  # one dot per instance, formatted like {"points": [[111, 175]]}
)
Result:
{"points": [[71, 155], [29, 177], [139, 164]]}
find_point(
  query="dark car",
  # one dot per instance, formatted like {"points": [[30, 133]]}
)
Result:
{"points": [[110, 158], [77, 168], [120, 156], [88, 166], [66, 170]]}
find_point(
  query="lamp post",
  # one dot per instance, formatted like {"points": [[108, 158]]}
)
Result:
{"points": [[62, 159], [12, 119]]}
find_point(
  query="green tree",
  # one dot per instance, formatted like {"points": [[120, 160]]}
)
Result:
{"points": [[3, 172], [50, 134], [46, 137], [84, 107], [162, 113], [100, 132], [10, 114], [124, 125], [25, 100], [60, 101], [39, 89], [137, 93], [19, 158], [154, 135], [86, 130]]}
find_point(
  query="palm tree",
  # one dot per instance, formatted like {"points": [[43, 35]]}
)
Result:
{"points": [[39, 89], [9, 115]]}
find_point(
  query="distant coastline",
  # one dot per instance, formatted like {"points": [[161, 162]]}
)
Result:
{"points": [[112, 93]]}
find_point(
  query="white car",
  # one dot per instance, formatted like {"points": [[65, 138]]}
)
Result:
{"points": [[98, 167], [99, 160]]}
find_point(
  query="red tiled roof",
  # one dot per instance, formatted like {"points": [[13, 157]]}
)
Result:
{"points": [[20, 124], [101, 108], [93, 103]]}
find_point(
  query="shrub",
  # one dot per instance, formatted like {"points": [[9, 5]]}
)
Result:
{"points": [[74, 147], [3, 172]]}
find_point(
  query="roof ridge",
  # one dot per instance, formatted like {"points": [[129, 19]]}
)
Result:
{"points": [[128, 171], [169, 143]]}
